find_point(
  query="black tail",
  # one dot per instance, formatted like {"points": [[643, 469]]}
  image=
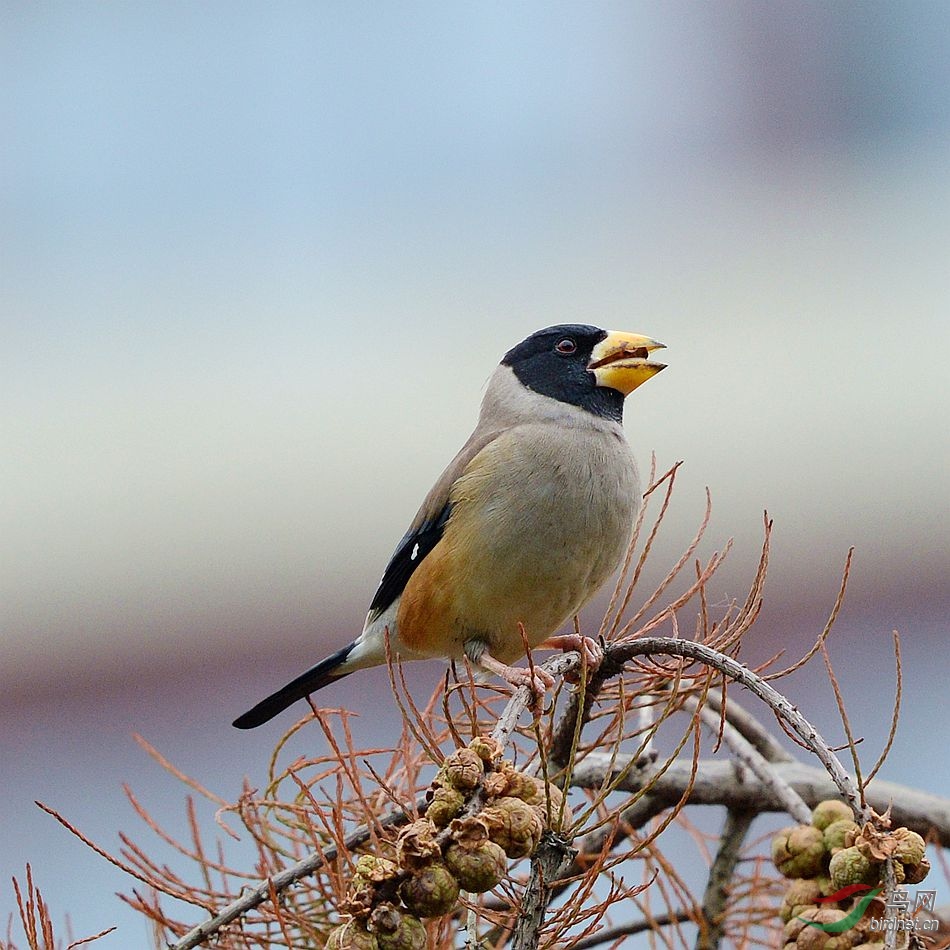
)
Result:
{"points": [[315, 678]]}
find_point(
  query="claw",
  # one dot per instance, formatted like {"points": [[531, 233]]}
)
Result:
{"points": [[538, 680], [591, 650]]}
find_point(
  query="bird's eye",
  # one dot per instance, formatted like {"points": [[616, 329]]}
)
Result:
{"points": [[566, 346]]}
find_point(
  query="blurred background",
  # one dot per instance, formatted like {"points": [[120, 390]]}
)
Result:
{"points": [[258, 260]]}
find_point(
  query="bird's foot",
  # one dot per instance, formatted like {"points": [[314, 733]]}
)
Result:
{"points": [[538, 680], [591, 650]]}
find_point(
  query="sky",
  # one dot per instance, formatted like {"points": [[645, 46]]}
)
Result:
{"points": [[257, 262]]}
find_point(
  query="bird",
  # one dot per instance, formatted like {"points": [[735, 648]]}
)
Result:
{"points": [[526, 523]]}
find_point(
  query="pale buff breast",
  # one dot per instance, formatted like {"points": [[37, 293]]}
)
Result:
{"points": [[541, 518]]}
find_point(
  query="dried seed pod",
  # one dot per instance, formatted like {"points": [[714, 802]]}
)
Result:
{"points": [[496, 784], [840, 834], [513, 824], [539, 794], [351, 936], [478, 866], [823, 881], [798, 851], [359, 901], [824, 884], [486, 748], [795, 924], [371, 872], [915, 873], [463, 769], [801, 893], [374, 869], [543, 791], [431, 891], [812, 938], [849, 866], [524, 787], [878, 845], [469, 831], [416, 844], [824, 813], [909, 846], [446, 803], [396, 930]]}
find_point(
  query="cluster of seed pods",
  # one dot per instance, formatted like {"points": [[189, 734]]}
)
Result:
{"points": [[481, 814], [831, 856]]}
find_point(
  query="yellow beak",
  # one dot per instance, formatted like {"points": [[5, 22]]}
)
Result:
{"points": [[622, 361]]}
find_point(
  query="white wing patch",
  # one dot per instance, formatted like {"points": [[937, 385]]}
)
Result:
{"points": [[415, 551]]}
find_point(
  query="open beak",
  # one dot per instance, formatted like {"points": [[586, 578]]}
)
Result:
{"points": [[622, 361]]}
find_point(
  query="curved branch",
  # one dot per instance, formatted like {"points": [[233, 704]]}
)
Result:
{"points": [[749, 728], [619, 653], [749, 756]]}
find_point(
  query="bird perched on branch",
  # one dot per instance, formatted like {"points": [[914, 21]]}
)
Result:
{"points": [[527, 522]]}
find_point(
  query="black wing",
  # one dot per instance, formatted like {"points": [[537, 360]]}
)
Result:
{"points": [[412, 549], [428, 526]]}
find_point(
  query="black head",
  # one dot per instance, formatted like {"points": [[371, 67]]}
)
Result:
{"points": [[554, 361]]}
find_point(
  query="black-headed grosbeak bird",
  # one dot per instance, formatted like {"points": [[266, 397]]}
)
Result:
{"points": [[522, 528]]}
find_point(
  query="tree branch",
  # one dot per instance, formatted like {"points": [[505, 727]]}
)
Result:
{"points": [[254, 896], [719, 783], [553, 855], [716, 896]]}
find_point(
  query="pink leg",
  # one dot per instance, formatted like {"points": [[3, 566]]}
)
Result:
{"points": [[589, 648], [517, 676]]}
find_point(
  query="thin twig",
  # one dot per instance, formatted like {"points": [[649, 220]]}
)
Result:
{"points": [[750, 729], [891, 911], [763, 770], [257, 895], [127, 868], [895, 715], [612, 934], [829, 624], [852, 743]]}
